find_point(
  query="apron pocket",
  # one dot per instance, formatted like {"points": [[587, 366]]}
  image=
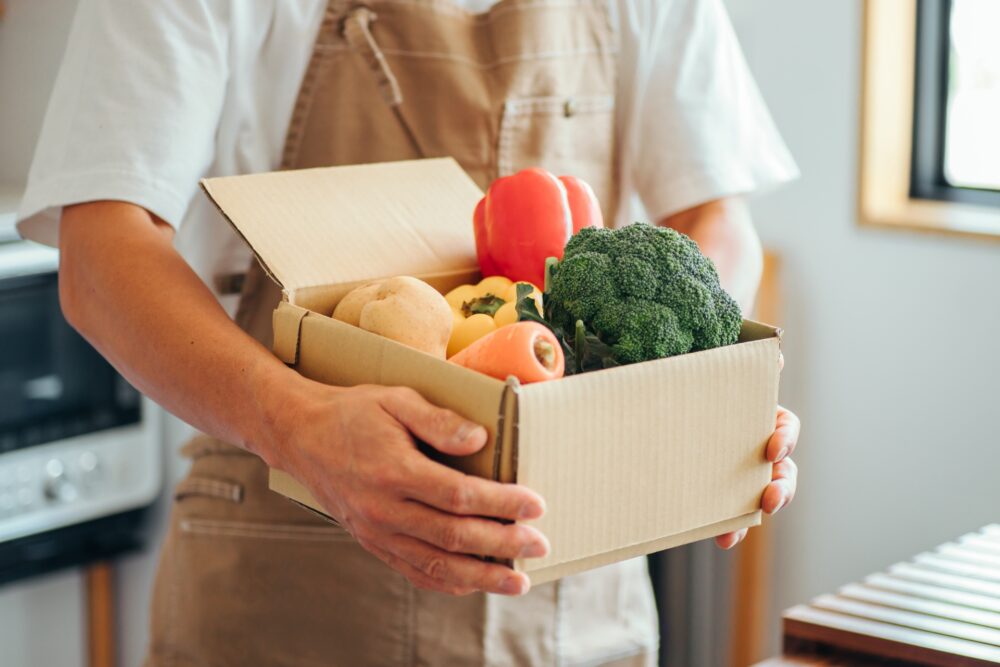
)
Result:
{"points": [[567, 134], [264, 531], [237, 589]]}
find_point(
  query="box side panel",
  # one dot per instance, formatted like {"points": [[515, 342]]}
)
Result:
{"points": [[340, 354], [542, 574], [641, 452]]}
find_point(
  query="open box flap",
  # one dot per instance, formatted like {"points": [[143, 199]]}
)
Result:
{"points": [[336, 225]]}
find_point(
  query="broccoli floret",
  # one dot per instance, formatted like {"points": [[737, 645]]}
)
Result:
{"points": [[646, 291]]}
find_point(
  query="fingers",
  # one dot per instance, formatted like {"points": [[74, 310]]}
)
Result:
{"points": [[454, 492], [730, 540], [472, 535], [778, 493], [448, 490], [456, 570], [786, 435], [415, 576], [781, 490], [441, 429]]}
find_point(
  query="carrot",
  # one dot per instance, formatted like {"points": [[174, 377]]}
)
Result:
{"points": [[527, 350]]}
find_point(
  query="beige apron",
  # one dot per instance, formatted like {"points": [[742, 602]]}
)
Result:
{"points": [[247, 577]]}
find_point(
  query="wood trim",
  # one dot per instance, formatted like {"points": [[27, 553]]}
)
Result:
{"points": [[751, 591], [887, 87], [100, 615], [837, 632]]}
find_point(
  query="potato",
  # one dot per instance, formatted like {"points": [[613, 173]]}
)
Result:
{"points": [[349, 308], [411, 312]]}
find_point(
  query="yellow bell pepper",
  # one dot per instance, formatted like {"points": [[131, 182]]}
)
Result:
{"points": [[483, 308]]}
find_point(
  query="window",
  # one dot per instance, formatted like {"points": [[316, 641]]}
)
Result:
{"points": [[930, 116], [956, 123]]}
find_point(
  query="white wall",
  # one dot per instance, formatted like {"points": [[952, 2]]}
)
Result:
{"points": [[891, 351], [32, 38]]}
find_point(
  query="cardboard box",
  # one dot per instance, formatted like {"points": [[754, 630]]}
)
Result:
{"points": [[630, 460]]}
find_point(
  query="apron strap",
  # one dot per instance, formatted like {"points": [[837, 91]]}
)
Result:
{"points": [[357, 32], [359, 35]]}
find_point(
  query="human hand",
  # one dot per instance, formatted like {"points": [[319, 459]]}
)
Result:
{"points": [[353, 449], [784, 473]]}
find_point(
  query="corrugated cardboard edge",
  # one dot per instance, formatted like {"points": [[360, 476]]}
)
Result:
{"points": [[286, 485], [506, 453], [751, 330], [553, 572], [287, 324], [207, 189]]}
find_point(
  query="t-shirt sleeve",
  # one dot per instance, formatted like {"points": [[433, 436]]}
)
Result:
{"points": [[133, 113], [701, 130]]}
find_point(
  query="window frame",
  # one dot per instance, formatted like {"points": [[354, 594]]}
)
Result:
{"points": [[932, 53], [887, 134]]}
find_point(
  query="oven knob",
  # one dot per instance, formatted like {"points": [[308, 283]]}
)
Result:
{"points": [[57, 486], [88, 462], [59, 490], [90, 471], [54, 469]]}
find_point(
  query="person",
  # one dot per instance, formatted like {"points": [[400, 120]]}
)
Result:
{"points": [[649, 101]]}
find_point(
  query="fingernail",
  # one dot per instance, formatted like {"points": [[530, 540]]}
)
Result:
{"points": [[782, 454], [463, 432], [534, 550], [531, 510], [512, 586], [780, 505]]}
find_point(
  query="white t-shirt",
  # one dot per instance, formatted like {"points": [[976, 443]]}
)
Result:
{"points": [[154, 95]]}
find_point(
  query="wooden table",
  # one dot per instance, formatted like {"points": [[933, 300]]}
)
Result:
{"points": [[941, 608]]}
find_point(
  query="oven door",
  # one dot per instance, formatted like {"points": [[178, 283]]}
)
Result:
{"points": [[78, 444]]}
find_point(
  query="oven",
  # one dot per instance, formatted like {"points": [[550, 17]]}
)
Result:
{"points": [[80, 449]]}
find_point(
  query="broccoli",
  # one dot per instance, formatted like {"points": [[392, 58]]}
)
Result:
{"points": [[646, 292]]}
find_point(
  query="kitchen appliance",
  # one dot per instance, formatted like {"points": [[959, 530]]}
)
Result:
{"points": [[80, 452]]}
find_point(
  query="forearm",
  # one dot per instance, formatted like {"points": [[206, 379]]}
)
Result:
{"points": [[724, 231], [126, 289]]}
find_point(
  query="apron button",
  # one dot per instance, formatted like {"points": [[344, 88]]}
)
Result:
{"points": [[570, 107]]}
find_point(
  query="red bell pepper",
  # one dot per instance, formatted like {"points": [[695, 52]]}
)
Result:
{"points": [[526, 218]]}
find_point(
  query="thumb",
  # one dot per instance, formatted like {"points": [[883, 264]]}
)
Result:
{"points": [[442, 429]]}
